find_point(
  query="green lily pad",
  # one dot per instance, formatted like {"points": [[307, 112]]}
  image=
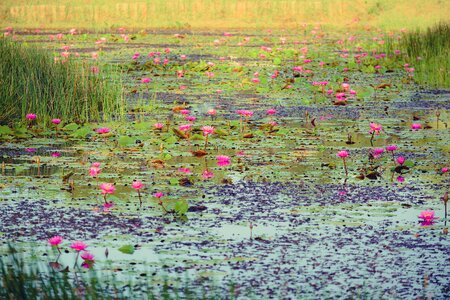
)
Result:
{"points": [[127, 249]]}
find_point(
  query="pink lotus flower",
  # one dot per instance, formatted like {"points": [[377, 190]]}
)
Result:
{"points": [[87, 264], [185, 170], [158, 195], [185, 112], [343, 154], [55, 241], [271, 111], [391, 148], [78, 246], [427, 216], [95, 70], [212, 112], [145, 80], [377, 152], [185, 127], [103, 130], [107, 188], [416, 126], [190, 118], [275, 74], [340, 97], [401, 179], [56, 154], [96, 164], [223, 160], [375, 128], [56, 121], [207, 174], [94, 171], [345, 86], [158, 125], [247, 113], [401, 160], [87, 256], [256, 80], [31, 117], [241, 153], [108, 205], [30, 150], [444, 170], [137, 185], [208, 130]]}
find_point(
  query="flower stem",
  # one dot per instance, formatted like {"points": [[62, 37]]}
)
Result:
{"points": [[76, 259], [206, 141], [160, 203], [345, 167]]}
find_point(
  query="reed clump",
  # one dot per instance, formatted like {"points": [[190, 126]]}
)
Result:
{"points": [[32, 81]]}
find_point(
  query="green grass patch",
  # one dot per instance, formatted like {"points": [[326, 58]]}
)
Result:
{"points": [[433, 48], [428, 51], [31, 81]]}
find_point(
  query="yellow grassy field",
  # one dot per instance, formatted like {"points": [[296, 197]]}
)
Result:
{"points": [[221, 14]]}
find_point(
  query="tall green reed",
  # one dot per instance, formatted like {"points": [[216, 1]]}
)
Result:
{"points": [[428, 52], [32, 81]]}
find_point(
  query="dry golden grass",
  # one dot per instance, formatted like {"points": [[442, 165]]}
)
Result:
{"points": [[221, 14]]}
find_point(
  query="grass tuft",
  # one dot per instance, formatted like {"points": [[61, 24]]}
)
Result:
{"points": [[429, 53], [32, 81]]}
